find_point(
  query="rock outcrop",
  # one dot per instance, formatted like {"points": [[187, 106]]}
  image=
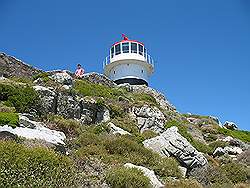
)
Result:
{"points": [[10, 66], [230, 125], [171, 143], [117, 130], [35, 130], [148, 173], [97, 78], [148, 118]]}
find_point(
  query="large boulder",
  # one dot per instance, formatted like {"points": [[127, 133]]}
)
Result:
{"points": [[148, 173], [35, 130], [62, 77], [148, 118], [68, 106], [230, 125], [48, 99], [171, 143], [117, 130]]}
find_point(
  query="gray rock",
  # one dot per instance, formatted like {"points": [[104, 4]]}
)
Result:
{"points": [[233, 150], [68, 106], [35, 130], [148, 173], [48, 99], [117, 130], [159, 97], [148, 118], [11, 66], [230, 125], [61, 77], [183, 171], [171, 143], [218, 152], [98, 79]]}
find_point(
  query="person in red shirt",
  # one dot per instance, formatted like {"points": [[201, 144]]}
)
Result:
{"points": [[79, 71]]}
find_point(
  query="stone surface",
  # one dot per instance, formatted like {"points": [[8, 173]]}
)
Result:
{"points": [[171, 143], [62, 77], [233, 150], [148, 118], [68, 106], [117, 130], [218, 152], [148, 173], [98, 79], [183, 171], [159, 97], [230, 125], [35, 130], [10, 66], [48, 99]]}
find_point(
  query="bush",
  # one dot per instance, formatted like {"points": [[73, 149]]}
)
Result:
{"points": [[22, 98], [68, 126], [183, 183], [147, 134], [127, 124], [216, 144], [235, 172], [33, 167], [44, 76], [9, 118], [239, 134], [116, 110], [123, 177], [89, 89]]}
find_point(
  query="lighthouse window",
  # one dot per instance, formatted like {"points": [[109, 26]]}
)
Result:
{"points": [[140, 49], [125, 47], [112, 52], [134, 47], [117, 49]]}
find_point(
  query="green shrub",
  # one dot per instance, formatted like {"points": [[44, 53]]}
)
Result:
{"points": [[183, 183], [235, 172], [43, 75], [143, 98], [127, 124], [9, 118], [4, 108], [172, 123], [68, 126], [33, 167], [147, 134], [216, 144], [239, 134], [116, 110], [22, 98], [89, 89], [123, 177], [210, 137]]}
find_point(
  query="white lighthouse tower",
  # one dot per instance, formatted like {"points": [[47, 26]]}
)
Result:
{"points": [[128, 62]]}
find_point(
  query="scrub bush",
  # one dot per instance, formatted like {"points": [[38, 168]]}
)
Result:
{"points": [[183, 183], [33, 167], [23, 98], [9, 118], [239, 134], [123, 177]]}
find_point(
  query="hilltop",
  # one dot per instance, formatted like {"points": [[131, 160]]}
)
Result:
{"points": [[56, 130]]}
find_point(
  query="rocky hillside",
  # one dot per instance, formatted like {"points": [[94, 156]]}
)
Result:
{"points": [[58, 131]]}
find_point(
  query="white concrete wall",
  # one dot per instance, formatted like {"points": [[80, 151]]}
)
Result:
{"points": [[129, 70]]}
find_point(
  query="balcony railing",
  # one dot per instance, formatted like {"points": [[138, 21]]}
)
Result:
{"points": [[147, 58]]}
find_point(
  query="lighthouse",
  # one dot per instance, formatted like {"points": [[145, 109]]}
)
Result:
{"points": [[128, 62]]}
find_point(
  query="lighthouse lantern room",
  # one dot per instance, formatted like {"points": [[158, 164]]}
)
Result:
{"points": [[128, 62]]}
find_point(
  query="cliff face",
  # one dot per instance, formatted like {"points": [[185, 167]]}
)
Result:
{"points": [[91, 132], [10, 66]]}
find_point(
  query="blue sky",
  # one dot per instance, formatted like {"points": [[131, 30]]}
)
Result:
{"points": [[201, 48]]}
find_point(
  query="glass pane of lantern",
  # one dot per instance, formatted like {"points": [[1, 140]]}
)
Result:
{"points": [[140, 49], [125, 47], [112, 51], [134, 47], [117, 49]]}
